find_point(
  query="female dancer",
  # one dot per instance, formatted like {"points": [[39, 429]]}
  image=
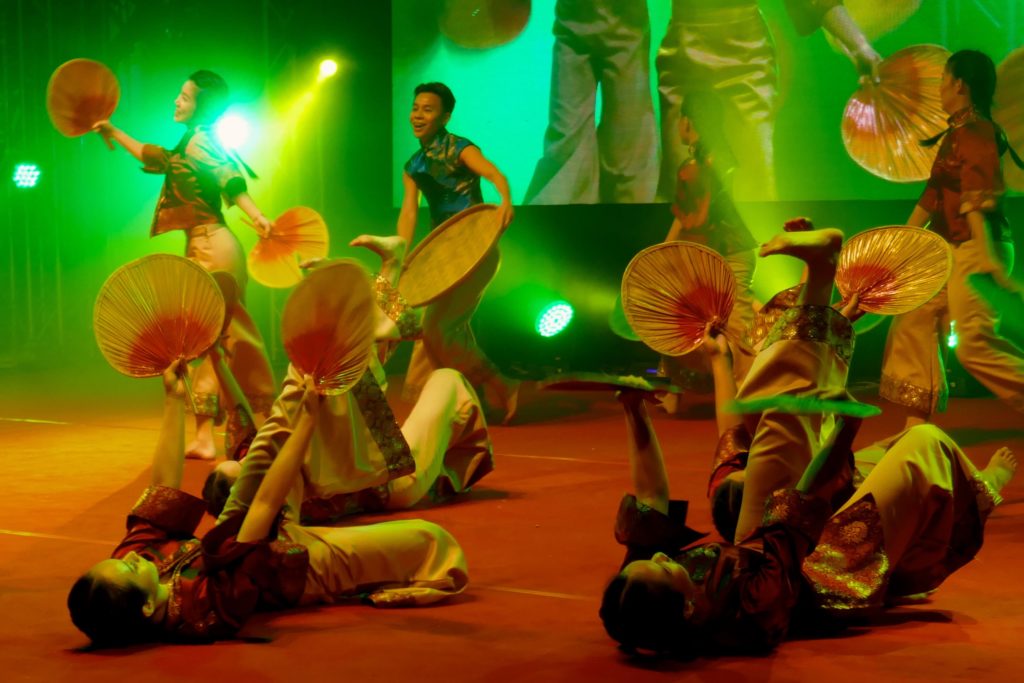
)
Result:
{"points": [[162, 583], [962, 202], [447, 170], [741, 597], [198, 173], [704, 212]]}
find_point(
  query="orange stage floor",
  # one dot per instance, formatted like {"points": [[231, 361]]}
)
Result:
{"points": [[537, 533]]}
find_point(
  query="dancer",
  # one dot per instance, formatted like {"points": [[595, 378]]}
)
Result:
{"points": [[604, 43], [358, 442], [881, 543], [198, 173], [726, 47], [704, 213], [963, 203], [447, 170], [161, 583]]}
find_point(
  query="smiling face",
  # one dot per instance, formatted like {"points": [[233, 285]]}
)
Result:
{"points": [[427, 116], [185, 103]]}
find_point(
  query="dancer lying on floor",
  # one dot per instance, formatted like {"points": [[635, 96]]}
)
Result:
{"points": [[358, 444], [162, 583], [917, 517]]}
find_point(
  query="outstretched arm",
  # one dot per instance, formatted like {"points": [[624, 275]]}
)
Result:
{"points": [[645, 459], [109, 132], [169, 456], [410, 207], [476, 162], [843, 28], [280, 478], [260, 223]]}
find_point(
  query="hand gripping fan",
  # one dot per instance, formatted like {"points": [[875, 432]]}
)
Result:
{"points": [[893, 269], [884, 122], [327, 327], [81, 93], [672, 291], [298, 234]]}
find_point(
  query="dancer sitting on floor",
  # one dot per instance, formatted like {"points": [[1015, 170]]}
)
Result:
{"points": [[917, 517], [358, 442], [162, 583]]}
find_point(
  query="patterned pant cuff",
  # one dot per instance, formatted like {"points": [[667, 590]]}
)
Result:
{"points": [[394, 305], [207, 405], [907, 394]]}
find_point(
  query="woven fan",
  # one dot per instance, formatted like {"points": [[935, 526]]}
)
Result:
{"points": [[884, 122], [80, 93], [154, 311], [480, 25], [298, 234], [672, 291], [449, 254], [893, 269], [1009, 111], [599, 381], [327, 327]]}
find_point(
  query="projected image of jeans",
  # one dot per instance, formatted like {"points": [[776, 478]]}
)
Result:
{"points": [[606, 44]]}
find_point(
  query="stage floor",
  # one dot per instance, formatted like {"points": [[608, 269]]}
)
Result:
{"points": [[538, 535]]}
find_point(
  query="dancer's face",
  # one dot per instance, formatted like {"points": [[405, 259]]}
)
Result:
{"points": [[185, 103], [131, 570], [427, 116], [951, 92], [663, 569]]}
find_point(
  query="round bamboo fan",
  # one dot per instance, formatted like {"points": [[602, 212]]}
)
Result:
{"points": [[1009, 111], [894, 269], [482, 24], [298, 234], [327, 327], [81, 93], [672, 291], [155, 310], [884, 122], [449, 254]]}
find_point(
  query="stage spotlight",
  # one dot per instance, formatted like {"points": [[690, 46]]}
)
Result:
{"points": [[554, 318], [26, 175], [232, 131], [328, 68], [952, 340]]}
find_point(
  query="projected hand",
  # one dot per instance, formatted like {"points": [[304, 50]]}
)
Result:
{"points": [[106, 130]]}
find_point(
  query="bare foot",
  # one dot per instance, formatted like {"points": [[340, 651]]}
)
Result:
{"points": [[1000, 469], [201, 449], [502, 395], [812, 246], [391, 249]]}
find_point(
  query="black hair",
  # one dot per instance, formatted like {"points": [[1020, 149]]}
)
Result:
{"points": [[977, 70], [216, 490], [213, 97], [111, 615], [725, 507], [646, 615], [441, 90]]}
